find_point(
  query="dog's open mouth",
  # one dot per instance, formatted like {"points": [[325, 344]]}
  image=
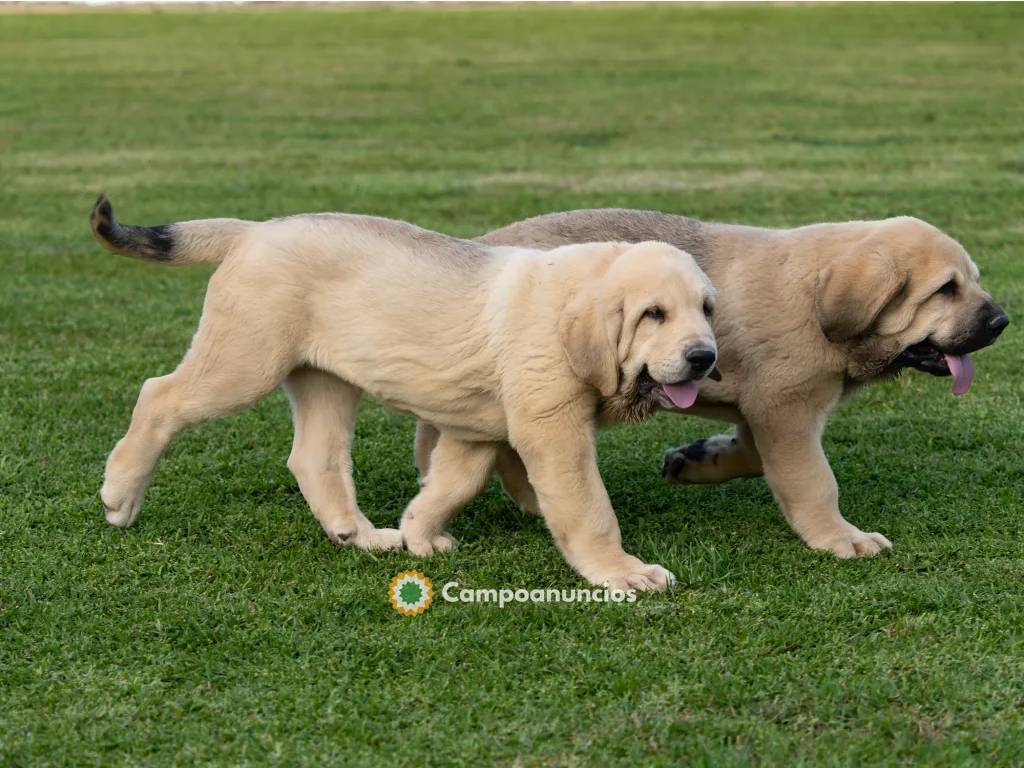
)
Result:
{"points": [[926, 357], [682, 394], [639, 399]]}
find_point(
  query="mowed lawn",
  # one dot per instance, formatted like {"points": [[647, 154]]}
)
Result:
{"points": [[224, 628]]}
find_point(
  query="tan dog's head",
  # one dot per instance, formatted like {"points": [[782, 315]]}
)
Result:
{"points": [[641, 332], [907, 295]]}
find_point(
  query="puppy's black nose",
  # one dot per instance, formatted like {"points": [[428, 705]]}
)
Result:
{"points": [[700, 358], [998, 323]]}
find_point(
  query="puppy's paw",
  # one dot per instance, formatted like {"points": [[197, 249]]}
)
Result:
{"points": [[710, 460], [122, 507], [851, 542], [368, 538], [672, 465], [639, 576], [424, 547]]}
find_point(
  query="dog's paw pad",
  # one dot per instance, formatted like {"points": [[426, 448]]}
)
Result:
{"points": [[696, 451], [673, 464]]}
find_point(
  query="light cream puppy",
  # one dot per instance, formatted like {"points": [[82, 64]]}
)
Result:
{"points": [[807, 316], [491, 345]]}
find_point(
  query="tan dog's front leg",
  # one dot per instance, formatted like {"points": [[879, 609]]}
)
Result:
{"points": [[795, 466], [714, 459], [459, 470], [561, 460]]}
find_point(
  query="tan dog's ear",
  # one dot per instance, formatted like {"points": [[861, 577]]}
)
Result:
{"points": [[589, 330], [853, 290]]}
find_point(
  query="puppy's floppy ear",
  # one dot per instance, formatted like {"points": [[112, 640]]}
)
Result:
{"points": [[853, 290], [589, 330]]}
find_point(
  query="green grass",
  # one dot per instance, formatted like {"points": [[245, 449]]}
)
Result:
{"points": [[225, 629]]}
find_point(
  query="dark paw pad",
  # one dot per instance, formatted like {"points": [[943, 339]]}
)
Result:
{"points": [[673, 464], [696, 451]]}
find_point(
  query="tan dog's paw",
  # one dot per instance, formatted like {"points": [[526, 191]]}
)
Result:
{"points": [[851, 542], [368, 538], [122, 508], [635, 574], [710, 460], [443, 542]]}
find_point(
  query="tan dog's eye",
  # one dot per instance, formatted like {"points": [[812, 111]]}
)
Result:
{"points": [[708, 310], [949, 289], [655, 313]]}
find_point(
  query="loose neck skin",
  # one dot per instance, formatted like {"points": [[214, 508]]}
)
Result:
{"points": [[527, 300]]}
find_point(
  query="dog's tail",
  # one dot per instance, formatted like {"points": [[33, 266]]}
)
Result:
{"points": [[184, 242]]}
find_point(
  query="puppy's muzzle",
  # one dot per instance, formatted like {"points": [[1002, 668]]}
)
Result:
{"points": [[989, 323]]}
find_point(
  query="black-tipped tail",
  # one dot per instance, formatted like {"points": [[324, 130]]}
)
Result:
{"points": [[149, 243]]}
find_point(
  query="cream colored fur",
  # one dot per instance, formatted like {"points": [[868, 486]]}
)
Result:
{"points": [[805, 317], [499, 348]]}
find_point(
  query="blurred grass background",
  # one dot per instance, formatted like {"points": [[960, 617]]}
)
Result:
{"points": [[224, 629]]}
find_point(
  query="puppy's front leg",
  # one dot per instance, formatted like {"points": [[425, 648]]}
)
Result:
{"points": [[561, 459], [795, 466]]}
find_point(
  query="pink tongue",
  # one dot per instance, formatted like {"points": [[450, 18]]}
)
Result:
{"points": [[682, 395], [962, 368]]}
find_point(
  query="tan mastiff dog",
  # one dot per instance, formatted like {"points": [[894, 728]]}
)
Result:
{"points": [[805, 318], [495, 346]]}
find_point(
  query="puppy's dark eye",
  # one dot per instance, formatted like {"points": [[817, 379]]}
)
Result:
{"points": [[655, 313], [708, 310], [949, 289]]}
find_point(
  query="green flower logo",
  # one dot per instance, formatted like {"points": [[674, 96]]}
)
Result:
{"points": [[410, 593]]}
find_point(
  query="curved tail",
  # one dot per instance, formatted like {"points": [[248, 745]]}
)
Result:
{"points": [[184, 242]]}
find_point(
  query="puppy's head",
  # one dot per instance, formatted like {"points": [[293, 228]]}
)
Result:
{"points": [[907, 295], [641, 332]]}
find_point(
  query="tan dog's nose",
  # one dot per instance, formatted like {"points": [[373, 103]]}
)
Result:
{"points": [[700, 358]]}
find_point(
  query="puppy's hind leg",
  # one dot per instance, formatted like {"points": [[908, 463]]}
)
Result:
{"points": [[459, 471], [423, 445], [228, 368], [324, 411], [512, 474], [714, 459]]}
